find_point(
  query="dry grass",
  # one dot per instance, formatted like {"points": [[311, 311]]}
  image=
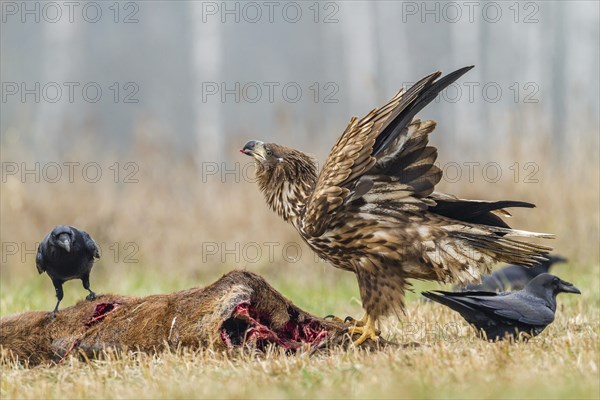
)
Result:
{"points": [[561, 363], [171, 215]]}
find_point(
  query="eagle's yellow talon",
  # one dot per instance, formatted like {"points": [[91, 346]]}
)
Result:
{"points": [[366, 330]]}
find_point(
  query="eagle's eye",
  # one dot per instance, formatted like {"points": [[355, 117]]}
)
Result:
{"points": [[269, 152]]}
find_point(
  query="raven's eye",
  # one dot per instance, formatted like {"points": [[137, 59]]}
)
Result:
{"points": [[555, 280]]}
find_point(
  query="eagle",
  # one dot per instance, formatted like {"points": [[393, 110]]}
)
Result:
{"points": [[372, 208]]}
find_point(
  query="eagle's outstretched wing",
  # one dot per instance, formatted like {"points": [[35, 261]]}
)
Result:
{"points": [[366, 141]]}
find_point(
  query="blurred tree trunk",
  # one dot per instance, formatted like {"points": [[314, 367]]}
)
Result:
{"points": [[206, 57], [58, 65], [559, 93]]}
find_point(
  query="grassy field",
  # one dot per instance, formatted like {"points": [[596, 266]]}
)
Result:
{"points": [[450, 362], [171, 231]]}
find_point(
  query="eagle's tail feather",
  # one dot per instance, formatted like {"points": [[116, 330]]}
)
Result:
{"points": [[476, 211], [504, 249], [466, 251]]}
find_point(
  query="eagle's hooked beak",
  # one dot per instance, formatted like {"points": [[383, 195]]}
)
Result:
{"points": [[64, 241], [256, 149]]}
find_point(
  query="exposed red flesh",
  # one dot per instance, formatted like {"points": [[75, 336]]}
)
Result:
{"points": [[101, 311], [257, 329]]}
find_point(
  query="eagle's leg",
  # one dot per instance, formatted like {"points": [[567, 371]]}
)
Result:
{"points": [[366, 331]]}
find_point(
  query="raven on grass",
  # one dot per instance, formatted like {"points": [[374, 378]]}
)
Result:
{"points": [[513, 315]]}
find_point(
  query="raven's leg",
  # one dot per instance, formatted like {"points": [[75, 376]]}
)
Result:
{"points": [[59, 294], [86, 285]]}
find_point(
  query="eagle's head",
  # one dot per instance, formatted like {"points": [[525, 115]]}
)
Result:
{"points": [[285, 176], [268, 156], [274, 161]]}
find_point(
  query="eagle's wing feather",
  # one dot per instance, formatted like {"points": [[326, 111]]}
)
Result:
{"points": [[364, 142], [348, 160]]}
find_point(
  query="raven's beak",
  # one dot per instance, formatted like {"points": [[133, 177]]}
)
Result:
{"points": [[255, 149], [64, 241], [558, 259], [568, 287]]}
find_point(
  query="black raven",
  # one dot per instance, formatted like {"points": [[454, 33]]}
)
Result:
{"points": [[517, 314], [513, 277], [67, 253]]}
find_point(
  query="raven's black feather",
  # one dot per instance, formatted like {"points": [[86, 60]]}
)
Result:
{"points": [[476, 212], [67, 253], [508, 315]]}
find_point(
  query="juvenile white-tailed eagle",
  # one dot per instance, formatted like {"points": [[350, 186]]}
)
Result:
{"points": [[372, 209]]}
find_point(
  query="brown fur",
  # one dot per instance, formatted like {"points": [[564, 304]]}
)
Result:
{"points": [[191, 318]]}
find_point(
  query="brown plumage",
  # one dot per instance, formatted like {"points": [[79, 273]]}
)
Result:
{"points": [[372, 209]]}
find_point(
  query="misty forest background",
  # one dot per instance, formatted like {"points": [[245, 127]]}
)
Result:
{"points": [[170, 118]]}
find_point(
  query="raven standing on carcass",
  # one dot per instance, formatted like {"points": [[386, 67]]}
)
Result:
{"points": [[67, 253]]}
